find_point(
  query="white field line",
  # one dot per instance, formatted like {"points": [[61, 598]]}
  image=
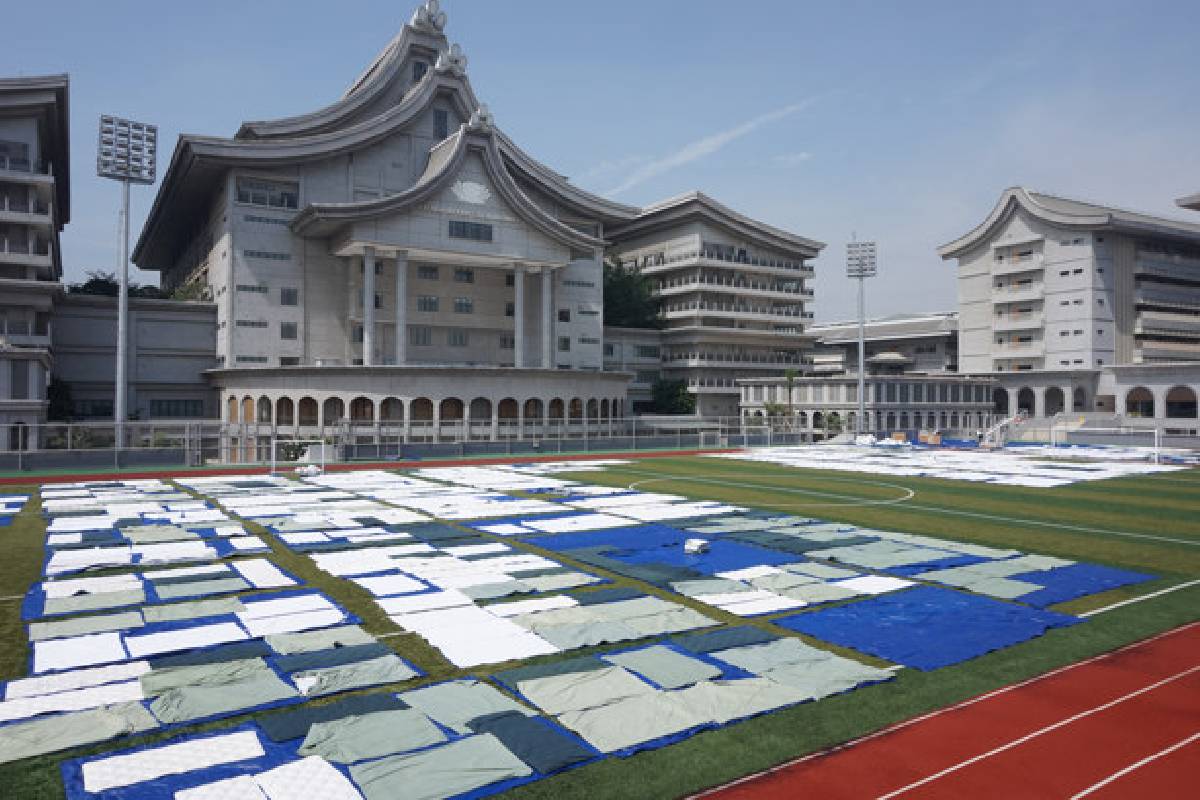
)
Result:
{"points": [[1040, 732], [1135, 765], [13, 597], [906, 493], [1139, 599], [939, 712], [934, 509]]}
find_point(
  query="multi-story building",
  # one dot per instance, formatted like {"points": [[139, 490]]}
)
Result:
{"points": [[894, 345], [35, 204], [394, 257], [732, 293], [1047, 283]]}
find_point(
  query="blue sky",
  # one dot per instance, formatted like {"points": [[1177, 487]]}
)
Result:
{"points": [[899, 121]]}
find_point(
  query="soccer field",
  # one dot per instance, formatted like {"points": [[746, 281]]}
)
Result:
{"points": [[1140, 524]]}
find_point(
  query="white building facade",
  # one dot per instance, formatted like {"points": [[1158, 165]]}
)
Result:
{"points": [[399, 238]]}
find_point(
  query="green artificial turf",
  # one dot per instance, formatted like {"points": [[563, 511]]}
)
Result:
{"points": [[1149, 524]]}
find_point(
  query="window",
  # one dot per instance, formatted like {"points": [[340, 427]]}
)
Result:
{"points": [[464, 275], [647, 351], [419, 68], [427, 273], [588, 340], [589, 312], [1063, 333], [1077, 271], [609, 350], [420, 336], [251, 359], [267, 255], [510, 280], [441, 123], [644, 376], [273, 194], [356, 334], [1064, 273], [457, 337], [580, 284], [510, 309], [564, 315], [475, 231], [289, 361], [1077, 332], [427, 302], [378, 300], [564, 344], [255, 289], [507, 342], [289, 296], [264, 220], [177, 408], [287, 330], [252, 323], [464, 305]]}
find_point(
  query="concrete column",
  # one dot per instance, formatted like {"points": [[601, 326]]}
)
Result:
{"points": [[401, 308], [519, 316], [1068, 399], [547, 318], [495, 421], [1039, 401], [368, 343], [1012, 401]]}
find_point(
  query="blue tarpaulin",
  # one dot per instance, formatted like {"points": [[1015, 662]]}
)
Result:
{"points": [[927, 627], [1078, 580]]}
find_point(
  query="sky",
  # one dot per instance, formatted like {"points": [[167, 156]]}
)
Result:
{"points": [[898, 122]]}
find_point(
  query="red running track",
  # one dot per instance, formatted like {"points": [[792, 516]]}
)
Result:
{"points": [[1126, 724]]}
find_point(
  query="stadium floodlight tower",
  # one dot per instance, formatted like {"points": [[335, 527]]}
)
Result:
{"points": [[127, 151], [861, 264]]}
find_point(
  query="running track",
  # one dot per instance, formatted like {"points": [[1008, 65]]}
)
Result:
{"points": [[1123, 725]]}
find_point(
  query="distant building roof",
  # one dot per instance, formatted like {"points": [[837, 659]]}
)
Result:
{"points": [[898, 326], [1192, 201]]}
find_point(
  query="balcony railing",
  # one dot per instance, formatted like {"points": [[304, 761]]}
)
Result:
{"points": [[14, 164], [712, 254], [789, 287], [735, 308], [20, 245]]}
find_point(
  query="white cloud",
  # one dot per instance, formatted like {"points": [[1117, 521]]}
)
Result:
{"points": [[704, 147]]}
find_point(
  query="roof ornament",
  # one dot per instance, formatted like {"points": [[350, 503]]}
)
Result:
{"points": [[453, 61], [481, 119], [429, 17]]}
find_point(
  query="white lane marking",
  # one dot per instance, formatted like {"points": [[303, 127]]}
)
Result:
{"points": [[1139, 598], [1040, 732], [1135, 765]]}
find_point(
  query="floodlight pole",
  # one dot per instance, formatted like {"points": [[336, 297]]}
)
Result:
{"points": [[119, 402], [862, 382]]}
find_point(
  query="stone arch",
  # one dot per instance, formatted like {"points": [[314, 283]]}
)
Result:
{"points": [[450, 409], [593, 409], [575, 409], [534, 408], [248, 409], [1055, 402], [818, 420], [1026, 403], [480, 410], [556, 409], [1079, 399], [264, 410], [391, 409], [604, 408], [362, 409], [333, 411], [232, 410], [1181, 403], [1139, 402], [421, 410], [1000, 400], [833, 420], [891, 421], [306, 411], [285, 411], [803, 418], [904, 420], [508, 408]]}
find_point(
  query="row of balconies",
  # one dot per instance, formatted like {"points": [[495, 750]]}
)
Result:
{"points": [[23, 165], [1018, 321], [24, 245], [689, 282], [1016, 291], [1182, 298], [1184, 269], [692, 308], [1012, 265], [661, 262], [728, 360]]}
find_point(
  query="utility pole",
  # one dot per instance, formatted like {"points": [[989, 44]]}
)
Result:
{"points": [[861, 264]]}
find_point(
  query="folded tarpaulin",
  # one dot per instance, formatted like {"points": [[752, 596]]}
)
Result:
{"points": [[664, 666], [61, 731], [510, 678], [331, 657], [323, 639], [535, 740], [556, 694], [444, 771], [388, 668], [362, 737], [926, 627], [294, 724], [455, 703], [723, 639]]}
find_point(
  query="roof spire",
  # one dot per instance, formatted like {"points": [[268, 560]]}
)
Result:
{"points": [[481, 119], [453, 61], [429, 17]]}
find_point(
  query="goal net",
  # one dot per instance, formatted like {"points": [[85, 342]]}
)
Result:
{"points": [[1123, 443], [289, 455]]}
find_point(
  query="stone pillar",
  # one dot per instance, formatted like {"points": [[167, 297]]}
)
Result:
{"points": [[368, 343], [1039, 401], [1068, 399], [547, 318], [495, 422], [401, 308], [519, 316], [1012, 401]]}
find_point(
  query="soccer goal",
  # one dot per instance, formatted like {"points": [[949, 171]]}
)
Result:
{"points": [[292, 454]]}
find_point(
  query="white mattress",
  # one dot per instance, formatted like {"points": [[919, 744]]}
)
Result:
{"points": [[77, 651], [102, 774]]}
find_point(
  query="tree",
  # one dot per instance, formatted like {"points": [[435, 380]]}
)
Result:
{"points": [[789, 375], [775, 409], [106, 284], [672, 397], [60, 406], [628, 298]]}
